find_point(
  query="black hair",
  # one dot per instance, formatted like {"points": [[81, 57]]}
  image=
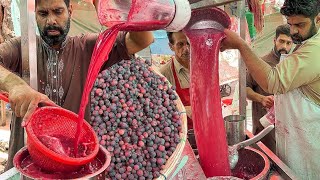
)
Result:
{"points": [[65, 1], [283, 29], [307, 8], [169, 34]]}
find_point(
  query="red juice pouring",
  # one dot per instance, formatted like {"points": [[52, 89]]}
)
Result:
{"points": [[205, 36], [100, 55], [141, 15]]}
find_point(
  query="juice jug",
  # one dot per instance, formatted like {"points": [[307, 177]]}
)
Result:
{"points": [[142, 15]]}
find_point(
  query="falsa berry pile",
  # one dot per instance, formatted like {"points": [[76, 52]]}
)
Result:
{"points": [[135, 115]]}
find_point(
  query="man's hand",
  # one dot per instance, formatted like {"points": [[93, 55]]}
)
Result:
{"points": [[267, 101], [25, 100], [231, 41]]}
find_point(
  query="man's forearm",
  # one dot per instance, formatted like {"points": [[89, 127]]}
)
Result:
{"points": [[136, 41], [256, 66], [8, 80], [253, 96]]}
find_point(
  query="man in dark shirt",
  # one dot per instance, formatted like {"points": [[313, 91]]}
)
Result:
{"points": [[63, 63], [261, 101]]}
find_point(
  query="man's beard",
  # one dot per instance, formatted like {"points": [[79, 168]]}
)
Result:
{"points": [[55, 40], [298, 39], [280, 51]]}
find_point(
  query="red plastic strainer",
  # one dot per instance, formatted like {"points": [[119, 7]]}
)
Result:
{"points": [[57, 127], [50, 123]]}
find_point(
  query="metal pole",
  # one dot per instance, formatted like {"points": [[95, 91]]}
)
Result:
{"points": [[28, 43], [203, 4], [242, 66]]}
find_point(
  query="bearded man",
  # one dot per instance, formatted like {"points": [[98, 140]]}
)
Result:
{"points": [[63, 64], [295, 82]]}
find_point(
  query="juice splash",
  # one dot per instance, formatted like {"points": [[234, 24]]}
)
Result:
{"points": [[205, 94]]}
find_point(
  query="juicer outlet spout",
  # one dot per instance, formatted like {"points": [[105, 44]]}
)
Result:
{"points": [[181, 17]]}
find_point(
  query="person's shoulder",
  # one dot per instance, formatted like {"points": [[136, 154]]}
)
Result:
{"points": [[11, 43], [84, 41], [166, 67], [166, 71], [15, 40], [267, 56], [311, 45], [85, 37], [309, 50]]}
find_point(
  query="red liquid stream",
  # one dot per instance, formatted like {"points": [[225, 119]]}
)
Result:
{"points": [[206, 103], [100, 55]]}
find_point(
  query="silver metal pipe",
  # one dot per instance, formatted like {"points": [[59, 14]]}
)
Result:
{"points": [[196, 4], [242, 66], [29, 43]]}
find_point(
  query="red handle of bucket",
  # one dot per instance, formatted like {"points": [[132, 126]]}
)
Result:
{"points": [[4, 97]]}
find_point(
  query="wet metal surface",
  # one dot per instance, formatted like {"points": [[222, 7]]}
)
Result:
{"points": [[208, 3]]}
